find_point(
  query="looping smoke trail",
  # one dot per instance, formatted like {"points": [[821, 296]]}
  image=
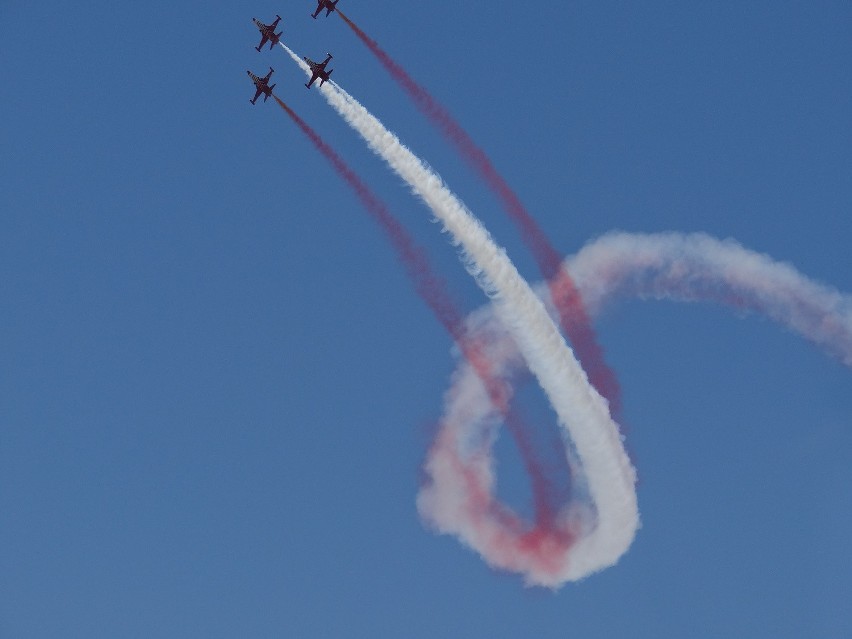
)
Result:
{"points": [[670, 266], [582, 413], [434, 292], [572, 313], [459, 496]]}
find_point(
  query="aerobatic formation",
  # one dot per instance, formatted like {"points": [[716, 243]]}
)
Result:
{"points": [[573, 533]]}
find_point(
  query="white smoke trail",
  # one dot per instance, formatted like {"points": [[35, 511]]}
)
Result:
{"points": [[582, 412], [697, 267]]}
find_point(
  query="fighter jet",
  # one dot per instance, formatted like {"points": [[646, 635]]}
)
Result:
{"points": [[318, 70], [262, 85], [328, 5], [267, 32]]}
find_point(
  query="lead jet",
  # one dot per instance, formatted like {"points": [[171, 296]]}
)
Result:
{"points": [[262, 85], [267, 33], [328, 5], [318, 70]]}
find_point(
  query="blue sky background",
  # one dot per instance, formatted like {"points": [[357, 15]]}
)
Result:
{"points": [[217, 384]]}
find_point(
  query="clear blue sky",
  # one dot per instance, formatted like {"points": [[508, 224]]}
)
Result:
{"points": [[217, 384]]}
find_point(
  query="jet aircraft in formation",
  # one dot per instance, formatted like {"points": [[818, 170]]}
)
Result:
{"points": [[318, 70], [262, 85], [267, 33], [328, 5]]}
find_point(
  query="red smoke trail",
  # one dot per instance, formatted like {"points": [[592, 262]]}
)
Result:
{"points": [[433, 291], [573, 317], [511, 544]]}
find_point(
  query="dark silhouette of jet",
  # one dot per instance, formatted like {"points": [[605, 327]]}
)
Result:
{"points": [[267, 33], [318, 70], [328, 5], [262, 85]]}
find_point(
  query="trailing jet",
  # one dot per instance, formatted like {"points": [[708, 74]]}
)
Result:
{"points": [[267, 32], [262, 85], [328, 5], [318, 70]]}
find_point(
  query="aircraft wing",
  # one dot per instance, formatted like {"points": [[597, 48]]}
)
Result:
{"points": [[263, 40]]}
